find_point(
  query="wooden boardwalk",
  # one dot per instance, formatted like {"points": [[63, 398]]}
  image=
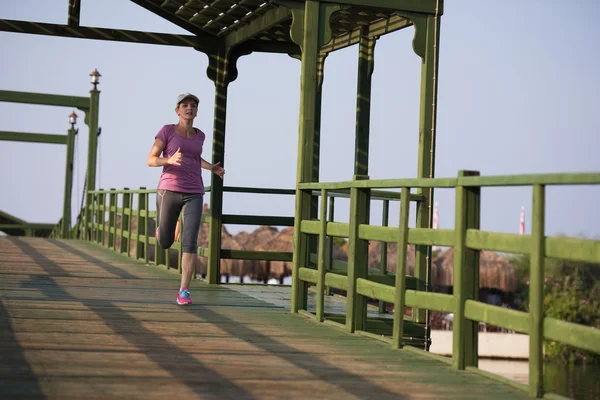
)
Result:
{"points": [[80, 321]]}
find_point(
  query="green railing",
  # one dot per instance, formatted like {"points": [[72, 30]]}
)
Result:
{"points": [[113, 213], [467, 240], [353, 277]]}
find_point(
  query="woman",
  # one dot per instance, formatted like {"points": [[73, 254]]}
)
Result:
{"points": [[178, 149]]}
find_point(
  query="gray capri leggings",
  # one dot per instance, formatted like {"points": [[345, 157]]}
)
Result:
{"points": [[168, 207]]}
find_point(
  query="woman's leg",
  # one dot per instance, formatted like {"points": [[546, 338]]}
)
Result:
{"points": [[192, 213], [168, 208]]}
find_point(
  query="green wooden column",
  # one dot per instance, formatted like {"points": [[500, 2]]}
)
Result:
{"points": [[66, 218], [91, 120], [310, 29], [466, 274], [536, 295], [313, 241], [309, 17], [218, 73], [366, 64], [426, 44]]}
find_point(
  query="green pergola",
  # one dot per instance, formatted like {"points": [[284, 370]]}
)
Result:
{"points": [[308, 30]]}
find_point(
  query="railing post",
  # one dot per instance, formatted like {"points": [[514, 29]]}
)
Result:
{"points": [[112, 218], [66, 219], [430, 30], [141, 226], [125, 218], [536, 295], [322, 257], [100, 214], [400, 289], [309, 42], [330, 241], [384, 253], [466, 274], [358, 253]]}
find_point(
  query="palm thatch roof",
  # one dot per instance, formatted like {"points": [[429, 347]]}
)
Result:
{"points": [[495, 272]]}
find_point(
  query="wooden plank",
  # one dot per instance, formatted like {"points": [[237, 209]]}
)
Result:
{"points": [[494, 241], [256, 255], [257, 220], [374, 290], [580, 336], [125, 334], [574, 249], [592, 178], [430, 301], [33, 137], [506, 318]]}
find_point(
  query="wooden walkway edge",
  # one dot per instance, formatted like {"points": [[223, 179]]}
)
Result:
{"points": [[80, 321]]}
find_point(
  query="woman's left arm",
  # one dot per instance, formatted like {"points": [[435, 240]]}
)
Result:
{"points": [[214, 168]]}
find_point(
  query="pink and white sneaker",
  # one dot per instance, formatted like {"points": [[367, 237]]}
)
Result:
{"points": [[183, 298]]}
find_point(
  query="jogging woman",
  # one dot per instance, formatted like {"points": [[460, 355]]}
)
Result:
{"points": [[178, 149]]}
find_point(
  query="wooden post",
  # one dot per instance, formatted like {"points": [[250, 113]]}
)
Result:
{"points": [[125, 217], [330, 218], [358, 253], [91, 119], [384, 253], [99, 206], [366, 63], [322, 257], [536, 295], [112, 219], [306, 137], [466, 274], [426, 162], [66, 218], [140, 230], [400, 288], [218, 72]]}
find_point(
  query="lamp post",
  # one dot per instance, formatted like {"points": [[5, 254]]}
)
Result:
{"points": [[92, 122], [66, 219]]}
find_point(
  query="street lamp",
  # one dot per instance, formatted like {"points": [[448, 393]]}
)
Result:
{"points": [[95, 78], [73, 119]]}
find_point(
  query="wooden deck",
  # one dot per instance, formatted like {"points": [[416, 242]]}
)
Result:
{"points": [[80, 321]]}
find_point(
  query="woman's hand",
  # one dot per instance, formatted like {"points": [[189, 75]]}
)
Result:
{"points": [[176, 159], [218, 170]]}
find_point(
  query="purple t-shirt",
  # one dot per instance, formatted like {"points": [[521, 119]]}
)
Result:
{"points": [[187, 177]]}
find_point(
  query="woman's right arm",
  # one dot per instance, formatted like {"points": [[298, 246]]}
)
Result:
{"points": [[154, 159]]}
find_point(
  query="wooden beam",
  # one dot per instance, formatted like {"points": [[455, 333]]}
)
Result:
{"points": [[74, 12], [419, 6], [33, 137], [267, 21], [376, 29], [116, 35], [174, 18], [44, 99]]}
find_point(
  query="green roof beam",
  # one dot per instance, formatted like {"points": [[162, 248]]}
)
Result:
{"points": [[175, 19], [74, 12], [376, 29], [33, 137], [418, 6], [82, 103], [267, 21], [86, 32]]}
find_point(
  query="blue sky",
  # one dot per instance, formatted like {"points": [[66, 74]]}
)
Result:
{"points": [[518, 93]]}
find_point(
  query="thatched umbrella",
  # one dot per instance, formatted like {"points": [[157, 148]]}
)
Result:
{"points": [[281, 242], [392, 253], [495, 272], [254, 269]]}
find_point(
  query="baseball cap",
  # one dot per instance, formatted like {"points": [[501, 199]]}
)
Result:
{"points": [[184, 96]]}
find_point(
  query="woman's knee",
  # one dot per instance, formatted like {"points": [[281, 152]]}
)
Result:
{"points": [[164, 241]]}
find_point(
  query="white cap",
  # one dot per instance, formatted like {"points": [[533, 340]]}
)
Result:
{"points": [[184, 96]]}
